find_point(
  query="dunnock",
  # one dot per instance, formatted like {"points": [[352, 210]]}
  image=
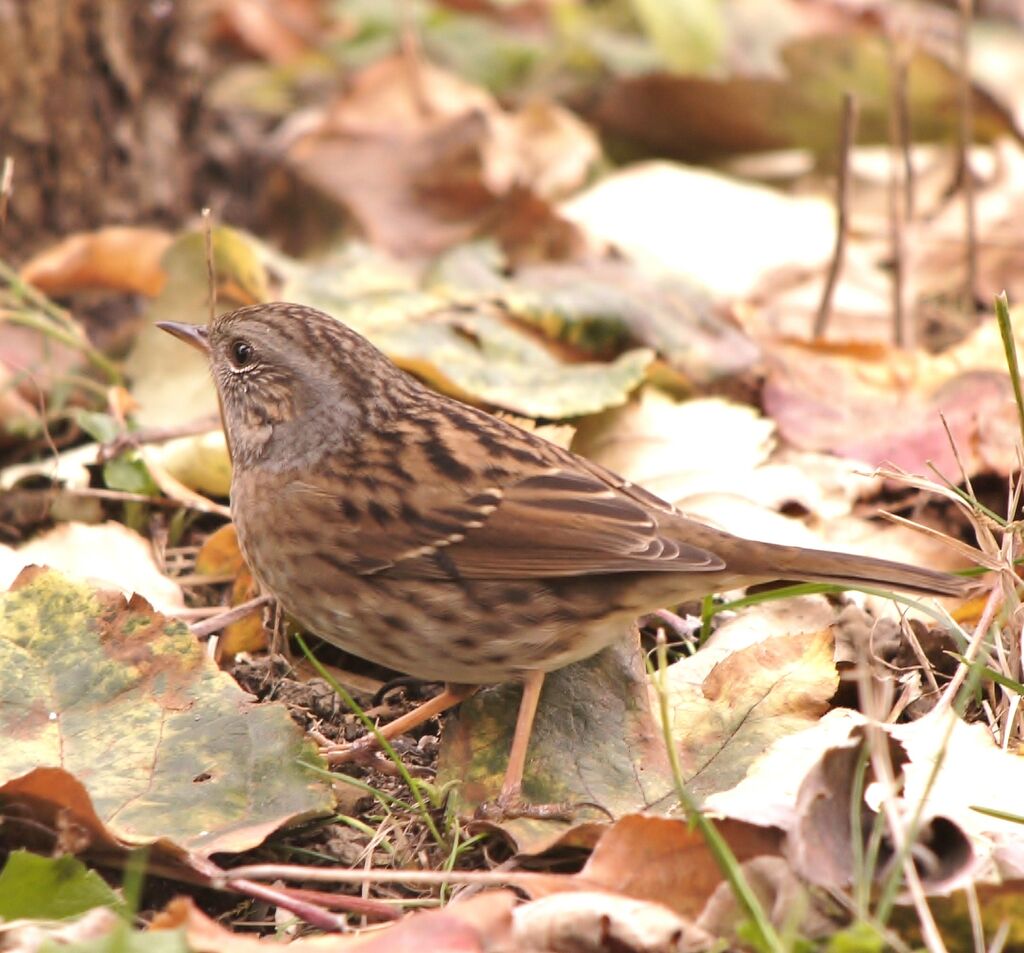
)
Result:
{"points": [[433, 538]]}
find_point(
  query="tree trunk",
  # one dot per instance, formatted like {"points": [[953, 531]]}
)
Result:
{"points": [[99, 105]]}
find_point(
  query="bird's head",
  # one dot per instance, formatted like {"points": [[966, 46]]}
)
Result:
{"points": [[292, 382]]}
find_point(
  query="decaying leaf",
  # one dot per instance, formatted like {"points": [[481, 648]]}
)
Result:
{"points": [[667, 860], [728, 710], [723, 234], [592, 920], [596, 709], [797, 103], [172, 383], [119, 257], [471, 926], [168, 747], [110, 554], [597, 306], [882, 405], [220, 556], [421, 159]]}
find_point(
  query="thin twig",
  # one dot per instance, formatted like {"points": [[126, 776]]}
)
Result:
{"points": [[312, 913], [423, 878], [903, 332], [964, 141], [906, 144], [412, 57], [211, 276], [847, 136], [6, 187], [383, 909], [207, 627], [133, 439], [196, 612], [123, 496]]}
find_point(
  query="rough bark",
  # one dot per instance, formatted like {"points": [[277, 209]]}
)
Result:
{"points": [[99, 108]]}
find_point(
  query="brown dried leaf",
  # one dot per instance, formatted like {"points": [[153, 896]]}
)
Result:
{"points": [[280, 32], [421, 159], [667, 859], [692, 117], [119, 258], [883, 405], [593, 920], [219, 555], [471, 926], [727, 716]]}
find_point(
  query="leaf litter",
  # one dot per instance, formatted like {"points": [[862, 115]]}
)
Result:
{"points": [[579, 309]]}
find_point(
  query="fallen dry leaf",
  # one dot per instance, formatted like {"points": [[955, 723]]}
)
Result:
{"points": [[119, 258], [596, 708], [879, 404], [822, 844], [168, 747], [666, 446], [422, 160], [280, 32], [810, 56], [975, 773], [667, 860], [34, 360], [99, 923], [110, 555], [592, 921], [478, 925], [68, 468], [784, 897], [220, 556], [684, 220], [727, 710]]}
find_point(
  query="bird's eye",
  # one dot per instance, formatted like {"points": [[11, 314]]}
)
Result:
{"points": [[242, 353]]}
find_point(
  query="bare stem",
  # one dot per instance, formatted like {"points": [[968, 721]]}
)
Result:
{"points": [[221, 621], [847, 135], [903, 331], [965, 139]]}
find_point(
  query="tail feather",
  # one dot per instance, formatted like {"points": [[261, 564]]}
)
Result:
{"points": [[851, 570]]}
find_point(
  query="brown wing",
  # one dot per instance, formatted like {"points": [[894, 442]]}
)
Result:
{"points": [[555, 523]]}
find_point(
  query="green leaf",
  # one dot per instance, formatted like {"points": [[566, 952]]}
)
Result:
{"points": [[51, 888], [122, 939], [101, 427], [858, 938], [129, 475]]}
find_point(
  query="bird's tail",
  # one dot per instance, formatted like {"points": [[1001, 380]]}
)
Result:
{"points": [[855, 571]]}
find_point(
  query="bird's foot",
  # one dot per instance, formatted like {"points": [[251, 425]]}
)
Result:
{"points": [[365, 751]]}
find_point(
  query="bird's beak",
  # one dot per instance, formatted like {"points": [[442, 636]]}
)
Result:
{"points": [[194, 334]]}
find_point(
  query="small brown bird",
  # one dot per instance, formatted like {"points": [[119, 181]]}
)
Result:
{"points": [[433, 538]]}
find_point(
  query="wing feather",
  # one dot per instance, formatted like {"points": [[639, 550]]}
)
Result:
{"points": [[560, 523]]}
